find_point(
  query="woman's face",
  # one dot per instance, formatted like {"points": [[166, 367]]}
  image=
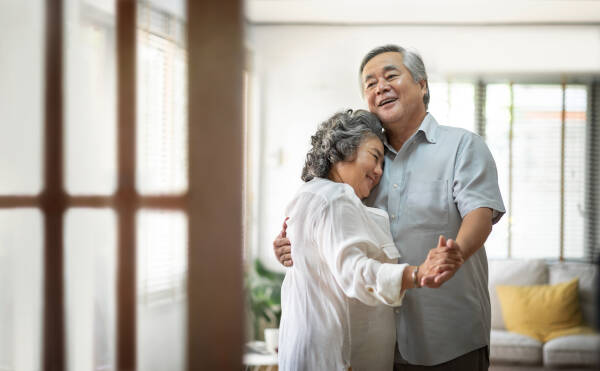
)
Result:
{"points": [[363, 171]]}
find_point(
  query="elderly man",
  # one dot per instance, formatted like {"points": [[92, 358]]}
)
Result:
{"points": [[438, 180]]}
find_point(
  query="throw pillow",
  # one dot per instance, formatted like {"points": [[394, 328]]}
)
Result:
{"points": [[543, 312]]}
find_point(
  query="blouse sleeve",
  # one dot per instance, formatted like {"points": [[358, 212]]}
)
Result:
{"points": [[343, 239]]}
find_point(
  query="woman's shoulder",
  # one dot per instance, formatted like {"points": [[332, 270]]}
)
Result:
{"points": [[322, 192], [331, 191]]}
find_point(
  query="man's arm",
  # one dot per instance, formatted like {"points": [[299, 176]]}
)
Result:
{"points": [[474, 230], [475, 182], [472, 234]]}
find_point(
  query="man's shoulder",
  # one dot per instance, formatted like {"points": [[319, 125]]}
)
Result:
{"points": [[434, 130], [455, 131], [461, 137]]}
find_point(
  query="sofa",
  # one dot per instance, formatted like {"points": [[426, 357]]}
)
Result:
{"points": [[582, 351]]}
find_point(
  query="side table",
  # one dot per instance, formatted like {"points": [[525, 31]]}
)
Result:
{"points": [[258, 358]]}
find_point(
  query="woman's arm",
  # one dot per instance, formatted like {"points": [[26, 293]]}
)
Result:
{"points": [[344, 240]]}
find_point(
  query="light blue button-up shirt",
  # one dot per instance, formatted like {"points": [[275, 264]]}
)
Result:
{"points": [[439, 175]]}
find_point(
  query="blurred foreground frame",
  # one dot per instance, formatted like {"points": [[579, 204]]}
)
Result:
{"points": [[216, 300], [213, 203]]}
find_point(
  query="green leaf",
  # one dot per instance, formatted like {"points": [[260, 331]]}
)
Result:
{"points": [[263, 290]]}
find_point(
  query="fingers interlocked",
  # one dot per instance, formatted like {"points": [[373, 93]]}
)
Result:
{"points": [[441, 263]]}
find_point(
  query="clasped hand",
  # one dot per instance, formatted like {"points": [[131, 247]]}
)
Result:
{"points": [[441, 263]]}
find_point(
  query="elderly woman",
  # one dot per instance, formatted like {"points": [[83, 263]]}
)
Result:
{"points": [[337, 298]]}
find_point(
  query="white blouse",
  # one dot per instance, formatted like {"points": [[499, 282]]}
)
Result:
{"points": [[344, 270]]}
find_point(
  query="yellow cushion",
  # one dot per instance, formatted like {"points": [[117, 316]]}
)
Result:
{"points": [[543, 312]]}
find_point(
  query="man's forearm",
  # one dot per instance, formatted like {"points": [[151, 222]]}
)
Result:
{"points": [[474, 230]]}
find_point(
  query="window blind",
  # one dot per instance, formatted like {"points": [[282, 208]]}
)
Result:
{"points": [[592, 176], [536, 171], [161, 152], [523, 127], [574, 170], [162, 104], [497, 130], [162, 257], [529, 161]]}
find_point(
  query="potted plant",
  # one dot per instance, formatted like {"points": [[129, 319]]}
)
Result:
{"points": [[263, 292]]}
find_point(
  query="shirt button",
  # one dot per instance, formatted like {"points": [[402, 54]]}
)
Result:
{"points": [[397, 310], [370, 289], [395, 185], [393, 216]]}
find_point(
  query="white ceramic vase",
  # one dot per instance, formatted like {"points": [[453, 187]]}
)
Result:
{"points": [[272, 339]]}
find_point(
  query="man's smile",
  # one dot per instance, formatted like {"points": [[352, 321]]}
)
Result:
{"points": [[386, 101]]}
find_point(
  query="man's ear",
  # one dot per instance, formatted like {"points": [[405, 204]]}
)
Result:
{"points": [[424, 86]]}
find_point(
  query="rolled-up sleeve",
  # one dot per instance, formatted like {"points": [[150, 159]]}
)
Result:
{"points": [[344, 242], [476, 178]]}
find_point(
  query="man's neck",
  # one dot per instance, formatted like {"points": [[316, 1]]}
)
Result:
{"points": [[399, 132]]}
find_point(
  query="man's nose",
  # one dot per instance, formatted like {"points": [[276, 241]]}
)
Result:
{"points": [[382, 85]]}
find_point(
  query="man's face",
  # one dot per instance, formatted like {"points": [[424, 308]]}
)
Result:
{"points": [[390, 91]]}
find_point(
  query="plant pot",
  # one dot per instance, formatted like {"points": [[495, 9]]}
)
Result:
{"points": [[272, 339]]}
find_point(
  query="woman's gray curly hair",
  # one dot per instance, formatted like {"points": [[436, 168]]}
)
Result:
{"points": [[337, 139]]}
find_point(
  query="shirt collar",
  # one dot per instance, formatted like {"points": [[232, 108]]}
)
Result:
{"points": [[388, 146], [429, 128]]}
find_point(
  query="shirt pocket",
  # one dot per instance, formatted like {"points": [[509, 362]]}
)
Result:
{"points": [[427, 204], [380, 228]]}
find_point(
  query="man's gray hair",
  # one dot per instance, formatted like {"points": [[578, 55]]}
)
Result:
{"points": [[411, 60], [337, 139]]}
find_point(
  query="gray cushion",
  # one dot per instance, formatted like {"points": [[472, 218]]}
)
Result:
{"points": [[575, 350], [513, 272], [587, 273], [511, 347]]}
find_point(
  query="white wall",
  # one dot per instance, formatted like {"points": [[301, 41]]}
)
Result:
{"points": [[305, 73]]}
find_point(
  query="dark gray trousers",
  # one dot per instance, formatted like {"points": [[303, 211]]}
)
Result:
{"points": [[477, 360]]}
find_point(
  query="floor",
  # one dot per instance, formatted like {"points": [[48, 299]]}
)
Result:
{"points": [[534, 368], [492, 368]]}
